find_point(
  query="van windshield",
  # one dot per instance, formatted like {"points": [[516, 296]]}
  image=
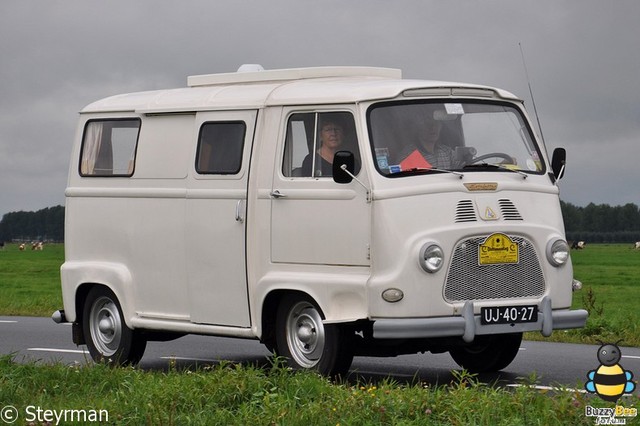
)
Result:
{"points": [[428, 136]]}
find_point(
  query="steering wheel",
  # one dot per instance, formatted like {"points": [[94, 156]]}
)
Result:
{"points": [[502, 155]]}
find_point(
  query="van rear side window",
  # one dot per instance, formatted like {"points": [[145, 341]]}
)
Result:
{"points": [[109, 147], [220, 148]]}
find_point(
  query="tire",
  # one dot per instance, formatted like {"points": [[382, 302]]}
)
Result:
{"points": [[488, 353], [108, 338], [307, 343]]}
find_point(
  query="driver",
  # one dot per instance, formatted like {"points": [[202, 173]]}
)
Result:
{"points": [[429, 152]]}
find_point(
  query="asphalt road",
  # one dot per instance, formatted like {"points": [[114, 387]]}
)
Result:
{"points": [[553, 364]]}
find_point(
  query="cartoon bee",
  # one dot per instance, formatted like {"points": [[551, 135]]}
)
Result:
{"points": [[610, 380]]}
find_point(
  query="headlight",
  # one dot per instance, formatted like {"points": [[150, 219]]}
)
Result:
{"points": [[431, 257], [557, 252]]}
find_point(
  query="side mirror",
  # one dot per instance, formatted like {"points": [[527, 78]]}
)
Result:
{"points": [[558, 162], [343, 161]]}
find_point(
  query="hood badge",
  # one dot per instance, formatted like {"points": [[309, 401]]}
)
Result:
{"points": [[481, 186], [489, 214], [488, 208]]}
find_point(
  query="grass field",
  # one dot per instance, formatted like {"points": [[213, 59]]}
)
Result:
{"points": [[30, 280]]}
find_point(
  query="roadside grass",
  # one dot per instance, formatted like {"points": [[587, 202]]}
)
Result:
{"points": [[232, 395]]}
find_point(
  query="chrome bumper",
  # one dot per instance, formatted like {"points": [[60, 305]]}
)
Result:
{"points": [[468, 325]]}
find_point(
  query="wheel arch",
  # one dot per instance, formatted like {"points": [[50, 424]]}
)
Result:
{"points": [[341, 298], [269, 312], [78, 278]]}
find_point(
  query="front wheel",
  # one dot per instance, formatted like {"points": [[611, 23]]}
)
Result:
{"points": [[307, 343], [108, 338], [488, 353]]}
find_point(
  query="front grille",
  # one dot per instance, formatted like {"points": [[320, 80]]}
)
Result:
{"points": [[467, 280]]}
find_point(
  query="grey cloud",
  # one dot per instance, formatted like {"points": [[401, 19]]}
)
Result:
{"points": [[58, 56]]}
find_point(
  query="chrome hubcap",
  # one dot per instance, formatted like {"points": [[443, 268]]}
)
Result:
{"points": [[305, 334], [105, 326]]}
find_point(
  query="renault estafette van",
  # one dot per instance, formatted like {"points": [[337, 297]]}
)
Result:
{"points": [[327, 212]]}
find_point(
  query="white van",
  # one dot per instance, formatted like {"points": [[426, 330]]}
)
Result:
{"points": [[328, 212]]}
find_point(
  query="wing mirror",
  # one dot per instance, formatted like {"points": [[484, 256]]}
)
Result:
{"points": [[343, 167], [558, 162]]}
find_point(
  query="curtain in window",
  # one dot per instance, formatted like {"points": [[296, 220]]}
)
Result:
{"points": [[91, 147]]}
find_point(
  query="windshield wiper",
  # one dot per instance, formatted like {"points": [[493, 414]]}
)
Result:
{"points": [[423, 170], [495, 166]]}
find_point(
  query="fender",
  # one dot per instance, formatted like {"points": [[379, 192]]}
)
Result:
{"points": [[341, 296], [115, 276]]}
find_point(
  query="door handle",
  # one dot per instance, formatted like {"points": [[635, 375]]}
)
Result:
{"points": [[277, 194], [239, 208]]}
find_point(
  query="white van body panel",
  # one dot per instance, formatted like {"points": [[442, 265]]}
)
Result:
{"points": [[215, 229], [316, 221]]}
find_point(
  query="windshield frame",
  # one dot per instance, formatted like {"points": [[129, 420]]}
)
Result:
{"points": [[529, 138]]}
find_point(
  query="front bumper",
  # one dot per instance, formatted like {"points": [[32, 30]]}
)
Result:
{"points": [[468, 325]]}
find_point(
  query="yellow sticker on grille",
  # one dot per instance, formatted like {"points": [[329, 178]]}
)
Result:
{"points": [[498, 249]]}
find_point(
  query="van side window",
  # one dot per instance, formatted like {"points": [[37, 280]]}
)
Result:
{"points": [[313, 138], [220, 147], [109, 147]]}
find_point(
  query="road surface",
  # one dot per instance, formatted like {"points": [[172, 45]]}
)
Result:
{"points": [[553, 364]]}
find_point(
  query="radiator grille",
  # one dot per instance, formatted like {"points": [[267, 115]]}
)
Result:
{"points": [[467, 280]]}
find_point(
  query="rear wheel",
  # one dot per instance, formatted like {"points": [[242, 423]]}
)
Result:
{"points": [[488, 353], [108, 338], [307, 343]]}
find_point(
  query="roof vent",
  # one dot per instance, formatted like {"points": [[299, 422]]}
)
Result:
{"points": [[250, 68], [254, 73]]}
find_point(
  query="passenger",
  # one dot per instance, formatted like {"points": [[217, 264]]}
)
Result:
{"points": [[331, 139], [429, 152]]}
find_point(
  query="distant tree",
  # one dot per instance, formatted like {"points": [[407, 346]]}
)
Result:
{"points": [[630, 217], [602, 222], [46, 224], [572, 217]]}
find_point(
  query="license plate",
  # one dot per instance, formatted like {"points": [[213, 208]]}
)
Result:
{"points": [[508, 314]]}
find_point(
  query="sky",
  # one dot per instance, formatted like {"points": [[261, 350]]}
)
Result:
{"points": [[582, 61]]}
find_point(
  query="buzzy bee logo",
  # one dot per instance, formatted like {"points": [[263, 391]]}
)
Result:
{"points": [[610, 381]]}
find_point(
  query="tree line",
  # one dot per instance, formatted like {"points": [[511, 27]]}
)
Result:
{"points": [[44, 225], [602, 223], [595, 223]]}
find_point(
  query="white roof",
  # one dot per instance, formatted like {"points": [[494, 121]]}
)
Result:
{"points": [[255, 73], [298, 86]]}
